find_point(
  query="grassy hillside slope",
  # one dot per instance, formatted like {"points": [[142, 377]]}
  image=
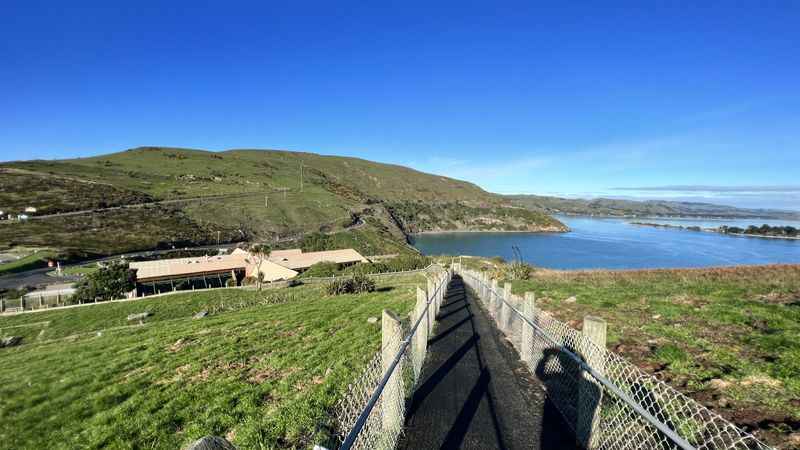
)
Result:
{"points": [[233, 195], [264, 369]]}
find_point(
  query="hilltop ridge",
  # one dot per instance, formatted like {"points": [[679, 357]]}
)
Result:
{"points": [[190, 196]]}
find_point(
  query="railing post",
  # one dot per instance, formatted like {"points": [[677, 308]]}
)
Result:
{"points": [[493, 300], [526, 347], [590, 391], [485, 287], [505, 311], [421, 337], [392, 397], [431, 288]]}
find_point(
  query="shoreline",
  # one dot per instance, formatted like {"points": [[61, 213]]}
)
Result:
{"points": [[487, 231], [710, 218], [712, 230]]}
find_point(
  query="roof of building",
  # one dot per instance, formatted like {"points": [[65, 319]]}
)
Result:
{"points": [[281, 264], [285, 253], [165, 268], [271, 271], [296, 259]]}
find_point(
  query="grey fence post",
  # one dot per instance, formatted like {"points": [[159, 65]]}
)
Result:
{"points": [[392, 397], [2, 304], [590, 391], [493, 300], [528, 307], [485, 287], [505, 311], [423, 331], [431, 290]]}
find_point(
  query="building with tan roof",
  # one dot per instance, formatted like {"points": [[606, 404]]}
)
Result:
{"points": [[203, 272], [295, 259]]}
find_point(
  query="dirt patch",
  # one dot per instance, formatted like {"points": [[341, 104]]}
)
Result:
{"points": [[261, 375], [780, 298], [180, 344]]}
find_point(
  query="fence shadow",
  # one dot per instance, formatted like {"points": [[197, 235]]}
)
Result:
{"points": [[567, 388]]}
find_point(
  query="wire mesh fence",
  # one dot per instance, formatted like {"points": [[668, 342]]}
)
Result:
{"points": [[371, 413], [607, 401]]}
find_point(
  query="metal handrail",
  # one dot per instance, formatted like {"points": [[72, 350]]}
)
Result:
{"points": [[376, 394], [669, 432]]}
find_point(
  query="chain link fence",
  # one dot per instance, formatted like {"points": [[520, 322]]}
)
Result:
{"points": [[371, 413], [607, 401]]}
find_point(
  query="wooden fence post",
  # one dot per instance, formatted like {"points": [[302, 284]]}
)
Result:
{"points": [[505, 311], [590, 391], [392, 401], [526, 347], [493, 300], [421, 337]]}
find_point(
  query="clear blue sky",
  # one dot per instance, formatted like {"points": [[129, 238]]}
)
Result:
{"points": [[517, 97]]}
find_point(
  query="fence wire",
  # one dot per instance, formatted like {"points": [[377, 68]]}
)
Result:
{"points": [[371, 414], [607, 401]]}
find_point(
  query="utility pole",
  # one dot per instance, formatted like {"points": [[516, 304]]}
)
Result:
{"points": [[301, 176], [266, 201]]}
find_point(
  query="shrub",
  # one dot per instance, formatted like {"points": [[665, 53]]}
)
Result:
{"points": [[367, 268], [356, 284], [362, 283], [407, 262], [497, 259], [107, 283], [518, 271], [322, 269]]}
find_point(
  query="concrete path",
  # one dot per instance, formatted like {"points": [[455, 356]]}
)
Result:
{"points": [[474, 393]]}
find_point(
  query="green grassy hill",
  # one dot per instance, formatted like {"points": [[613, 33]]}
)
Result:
{"points": [[231, 196], [263, 369]]}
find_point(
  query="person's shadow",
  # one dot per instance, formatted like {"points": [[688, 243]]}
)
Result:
{"points": [[568, 390]]}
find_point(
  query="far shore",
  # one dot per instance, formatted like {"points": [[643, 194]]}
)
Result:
{"points": [[712, 230], [487, 231]]}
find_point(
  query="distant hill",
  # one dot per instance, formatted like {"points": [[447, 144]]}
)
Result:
{"points": [[161, 197], [649, 208]]}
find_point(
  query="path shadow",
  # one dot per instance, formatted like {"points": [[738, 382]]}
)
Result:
{"points": [[455, 436], [439, 336], [441, 372]]}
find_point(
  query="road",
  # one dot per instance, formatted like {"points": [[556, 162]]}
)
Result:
{"points": [[136, 205], [475, 393]]}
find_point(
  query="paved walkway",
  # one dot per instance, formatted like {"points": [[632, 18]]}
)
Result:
{"points": [[474, 393]]}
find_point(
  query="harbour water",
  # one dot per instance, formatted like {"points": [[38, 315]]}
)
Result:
{"points": [[616, 244]]}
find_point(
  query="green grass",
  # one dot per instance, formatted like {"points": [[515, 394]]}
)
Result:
{"points": [[333, 189], [740, 325], [264, 369], [33, 261], [80, 270]]}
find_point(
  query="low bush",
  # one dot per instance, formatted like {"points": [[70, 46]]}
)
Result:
{"points": [[356, 284], [518, 271], [322, 269], [110, 282]]}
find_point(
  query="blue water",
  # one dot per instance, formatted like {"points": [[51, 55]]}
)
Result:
{"points": [[615, 244]]}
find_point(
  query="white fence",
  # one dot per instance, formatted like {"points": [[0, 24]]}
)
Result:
{"points": [[370, 415], [607, 401]]}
